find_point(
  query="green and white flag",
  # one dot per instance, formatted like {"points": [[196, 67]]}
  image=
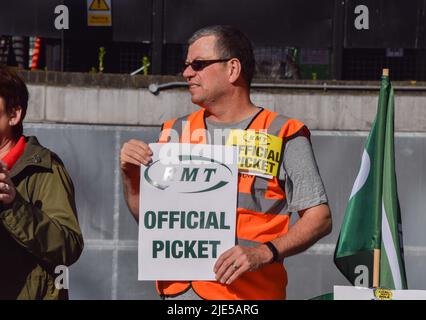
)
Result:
{"points": [[372, 219]]}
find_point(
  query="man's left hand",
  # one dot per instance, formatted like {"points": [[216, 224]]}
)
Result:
{"points": [[7, 188], [237, 260]]}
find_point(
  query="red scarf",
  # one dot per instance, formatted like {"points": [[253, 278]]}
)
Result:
{"points": [[15, 153]]}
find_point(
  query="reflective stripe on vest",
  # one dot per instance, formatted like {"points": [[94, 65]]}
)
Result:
{"points": [[262, 211]]}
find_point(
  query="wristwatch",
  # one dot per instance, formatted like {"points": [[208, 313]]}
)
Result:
{"points": [[275, 254]]}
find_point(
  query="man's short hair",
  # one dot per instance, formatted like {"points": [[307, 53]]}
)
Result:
{"points": [[230, 43], [14, 93]]}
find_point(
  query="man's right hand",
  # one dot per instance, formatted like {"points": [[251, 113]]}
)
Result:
{"points": [[132, 155]]}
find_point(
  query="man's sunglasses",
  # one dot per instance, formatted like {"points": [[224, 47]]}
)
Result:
{"points": [[198, 65]]}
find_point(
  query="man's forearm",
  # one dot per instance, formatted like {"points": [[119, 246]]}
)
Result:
{"points": [[312, 226], [131, 194]]}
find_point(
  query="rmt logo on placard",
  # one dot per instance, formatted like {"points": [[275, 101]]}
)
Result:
{"points": [[184, 178]]}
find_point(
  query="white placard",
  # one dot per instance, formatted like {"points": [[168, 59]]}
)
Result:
{"points": [[360, 293], [187, 210]]}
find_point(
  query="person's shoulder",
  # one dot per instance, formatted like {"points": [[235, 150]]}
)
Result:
{"points": [[192, 114], [179, 118], [288, 120], [41, 153], [292, 127]]}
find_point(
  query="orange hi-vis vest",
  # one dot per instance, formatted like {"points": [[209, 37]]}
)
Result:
{"points": [[262, 213]]}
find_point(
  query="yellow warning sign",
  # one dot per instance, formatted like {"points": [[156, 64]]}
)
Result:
{"points": [[99, 13], [259, 153], [99, 5], [99, 20]]}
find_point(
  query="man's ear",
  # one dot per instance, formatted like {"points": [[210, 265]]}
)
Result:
{"points": [[15, 116], [234, 70]]}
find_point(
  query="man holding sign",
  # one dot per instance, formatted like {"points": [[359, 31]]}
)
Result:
{"points": [[183, 227], [277, 172]]}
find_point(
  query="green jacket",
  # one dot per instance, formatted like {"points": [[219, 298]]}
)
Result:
{"points": [[39, 230]]}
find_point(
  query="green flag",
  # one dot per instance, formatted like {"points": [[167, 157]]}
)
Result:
{"points": [[372, 218]]}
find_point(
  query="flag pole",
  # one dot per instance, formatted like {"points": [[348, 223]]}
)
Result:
{"points": [[376, 268], [376, 265]]}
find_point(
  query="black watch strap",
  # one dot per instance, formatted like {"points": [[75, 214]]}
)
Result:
{"points": [[275, 254]]}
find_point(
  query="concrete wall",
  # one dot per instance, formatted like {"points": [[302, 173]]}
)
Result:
{"points": [[119, 99]]}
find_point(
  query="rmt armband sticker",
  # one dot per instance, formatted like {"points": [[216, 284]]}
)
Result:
{"points": [[259, 153]]}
